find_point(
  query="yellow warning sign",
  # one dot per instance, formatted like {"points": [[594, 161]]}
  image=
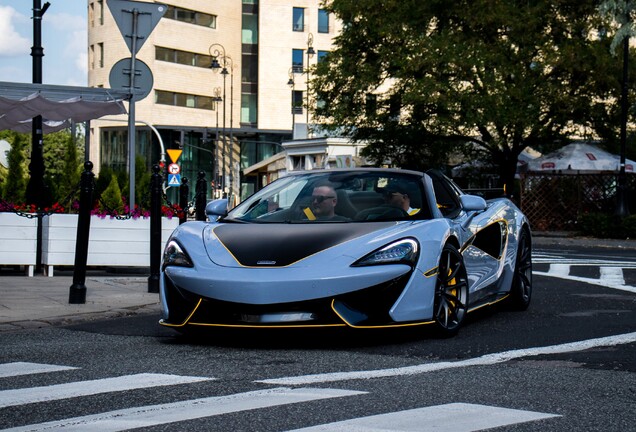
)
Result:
{"points": [[174, 154]]}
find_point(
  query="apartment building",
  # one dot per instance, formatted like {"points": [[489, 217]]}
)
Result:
{"points": [[225, 117]]}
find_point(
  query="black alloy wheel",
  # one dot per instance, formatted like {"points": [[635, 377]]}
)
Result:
{"points": [[451, 292], [521, 289]]}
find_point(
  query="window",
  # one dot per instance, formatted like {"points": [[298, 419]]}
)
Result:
{"points": [[183, 57], [250, 29], [190, 16], [164, 54], [297, 60], [249, 69], [298, 20], [184, 100], [91, 57], [100, 53], [248, 108], [321, 55], [297, 102], [323, 21], [100, 12]]}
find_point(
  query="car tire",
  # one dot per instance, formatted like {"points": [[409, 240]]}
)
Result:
{"points": [[521, 286], [451, 292]]}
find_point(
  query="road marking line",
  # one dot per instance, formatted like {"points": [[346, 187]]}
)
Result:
{"points": [[454, 417], [485, 360], [583, 262], [24, 368], [85, 388], [612, 275], [599, 282], [559, 270], [152, 415]]}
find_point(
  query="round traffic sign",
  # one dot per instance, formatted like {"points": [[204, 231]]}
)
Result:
{"points": [[119, 78], [173, 168]]}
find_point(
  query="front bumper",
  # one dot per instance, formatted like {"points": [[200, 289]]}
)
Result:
{"points": [[362, 308]]}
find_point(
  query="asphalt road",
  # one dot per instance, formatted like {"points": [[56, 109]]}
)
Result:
{"points": [[496, 372]]}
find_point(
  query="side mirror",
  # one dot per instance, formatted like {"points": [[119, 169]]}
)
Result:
{"points": [[216, 209], [472, 203]]}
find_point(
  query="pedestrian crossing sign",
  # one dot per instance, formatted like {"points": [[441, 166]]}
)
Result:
{"points": [[174, 180]]}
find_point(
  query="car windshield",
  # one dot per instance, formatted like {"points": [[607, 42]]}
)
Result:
{"points": [[336, 197]]}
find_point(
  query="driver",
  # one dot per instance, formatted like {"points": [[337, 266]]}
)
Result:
{"points": [[323, 204]]}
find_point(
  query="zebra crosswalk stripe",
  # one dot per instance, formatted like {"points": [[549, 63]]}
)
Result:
{"points": [[454, 417], [84, 388], [24, 368], [154, 415]]}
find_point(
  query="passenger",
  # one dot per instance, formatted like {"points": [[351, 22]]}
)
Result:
{"points": [[396, 194]]}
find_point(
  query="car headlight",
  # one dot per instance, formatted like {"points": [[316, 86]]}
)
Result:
{"points": [[403, 251], [174, 255]]}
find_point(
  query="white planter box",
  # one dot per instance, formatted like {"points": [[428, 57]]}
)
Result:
{"points": [[111, 242], [18, 240]]}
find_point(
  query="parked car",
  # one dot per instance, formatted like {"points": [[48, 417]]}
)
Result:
{"points": [[361, 248]]}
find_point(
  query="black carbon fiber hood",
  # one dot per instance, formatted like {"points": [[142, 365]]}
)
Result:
{"points": [[283, 244]]}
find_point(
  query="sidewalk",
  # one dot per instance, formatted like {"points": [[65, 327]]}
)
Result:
{"points": [[41, 301]]}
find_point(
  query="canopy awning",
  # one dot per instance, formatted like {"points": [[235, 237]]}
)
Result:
{"points": [[58, 105], [579, 158]]}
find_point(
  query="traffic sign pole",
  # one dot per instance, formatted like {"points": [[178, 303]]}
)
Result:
{"points": [[131, 115], [126, 14]]}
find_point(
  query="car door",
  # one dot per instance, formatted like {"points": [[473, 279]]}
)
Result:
{"points": [[482, 236]]}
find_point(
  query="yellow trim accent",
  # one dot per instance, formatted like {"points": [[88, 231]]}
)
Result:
{"points": [[310, 215], [162, 322], [489, 303], [380, 326], [414, 211], [432, 272]]}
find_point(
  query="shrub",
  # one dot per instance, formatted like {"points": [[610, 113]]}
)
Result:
{"points": [[603, 225]]}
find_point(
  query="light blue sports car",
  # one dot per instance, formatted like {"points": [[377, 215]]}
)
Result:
{"points": [[361, 248]]}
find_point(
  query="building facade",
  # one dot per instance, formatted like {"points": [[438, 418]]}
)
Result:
{"points": [[229, 84]]}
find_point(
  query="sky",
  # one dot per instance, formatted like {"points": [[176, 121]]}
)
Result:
{"points": [[64, 39]]}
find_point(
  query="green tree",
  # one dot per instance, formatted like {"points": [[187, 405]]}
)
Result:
{"points": [[16, 181], [110, 199], [418, 80], [142, 182], [63, 163]]}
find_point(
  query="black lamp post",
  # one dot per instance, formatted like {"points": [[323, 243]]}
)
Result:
{"points": [[292, 84], [36, 189], [215, 167], [622, 209], [217, 51], [310, 54]]}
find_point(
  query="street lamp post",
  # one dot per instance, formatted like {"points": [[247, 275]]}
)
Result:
{"points": [[292, 84], [217, 51], [622, 209], [310, 54], [215, 167], [35, 191]]}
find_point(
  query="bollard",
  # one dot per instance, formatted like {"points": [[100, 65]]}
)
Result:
{"points": [[184, 192], [202, 186], [77, 292], [155, 229]]}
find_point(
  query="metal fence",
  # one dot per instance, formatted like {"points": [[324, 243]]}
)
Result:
{"points": [[555, 202]]}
